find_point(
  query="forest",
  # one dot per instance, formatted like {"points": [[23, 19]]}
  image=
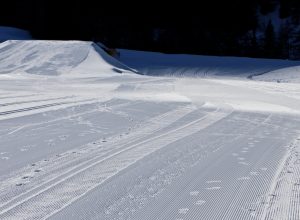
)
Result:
{"points": [[250, 28]]}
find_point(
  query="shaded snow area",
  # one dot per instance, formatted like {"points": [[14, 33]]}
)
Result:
{"points": [[82, 136], [11, 33], [154, 63]]}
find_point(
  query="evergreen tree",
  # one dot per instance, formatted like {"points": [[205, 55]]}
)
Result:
{"points": [[270, 41]]}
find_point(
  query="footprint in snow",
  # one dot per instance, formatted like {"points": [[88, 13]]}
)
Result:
{"points": [[252, 212], [50, 142], [213, 188], [152, 178], [183, 210], [213, 181], [25, 177], [63, 137], [254, 173], [5, 158], [37, 170], [194, 193], [244, 178], [200, 202]]}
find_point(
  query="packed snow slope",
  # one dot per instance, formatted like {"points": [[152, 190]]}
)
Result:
{"points": [[56, 58], [84, 137], [181, 65]]}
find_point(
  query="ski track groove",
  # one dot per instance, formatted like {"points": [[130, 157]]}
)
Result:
{"points": [[20, 96], [34, 101], [72, 115], [101, 152], [41, 108], [169, 206], [286, 186], [116, 154], [244, 198], [35, 107], [240, 195]]}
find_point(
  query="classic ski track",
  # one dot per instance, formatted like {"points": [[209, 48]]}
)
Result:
{"points": [[47, 107], [169, 206], [19, 96], [34, 101], [104, 105], [285, 187], [240, 193], [93, 155], [49, 206], [37, 107]]}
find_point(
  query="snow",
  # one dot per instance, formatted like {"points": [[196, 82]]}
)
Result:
{"points": [[56, 58], [285, 75], [182, 65], [83, 136], [11, 33]]}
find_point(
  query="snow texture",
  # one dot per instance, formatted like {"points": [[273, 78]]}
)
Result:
{"points": [[82, 136]]}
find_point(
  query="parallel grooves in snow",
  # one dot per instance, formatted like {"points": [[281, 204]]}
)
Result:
{"points": [[33, 101], [19, 96], [33, 108], [91, 153], [41, 108], [285, 202], [68, 189], [236, 197]]}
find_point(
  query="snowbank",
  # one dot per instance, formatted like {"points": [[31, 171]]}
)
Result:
{"points": [[289, 74], [56, 58], [152, 63]]}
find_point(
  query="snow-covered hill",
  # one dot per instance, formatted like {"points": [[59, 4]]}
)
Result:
{"points": [[73, 58], [56, 58], [181, 65], [79, 140]]}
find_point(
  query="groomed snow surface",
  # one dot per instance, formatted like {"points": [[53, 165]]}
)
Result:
{"points": [[83, 136]]}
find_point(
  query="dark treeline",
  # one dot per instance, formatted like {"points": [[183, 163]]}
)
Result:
{"points": [[231, 27]]}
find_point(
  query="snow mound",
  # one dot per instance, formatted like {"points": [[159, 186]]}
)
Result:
{"points": [[152, 63], [11, 33], [56, 58], [289, 74]]}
